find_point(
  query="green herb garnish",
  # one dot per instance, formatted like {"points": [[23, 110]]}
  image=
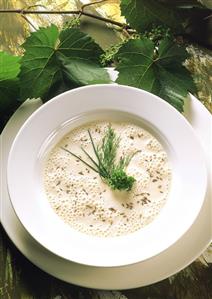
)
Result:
{"points": [[112, 172]]}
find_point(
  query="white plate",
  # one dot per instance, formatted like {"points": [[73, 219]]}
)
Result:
{"points": [[53, 120], [186, 250]]}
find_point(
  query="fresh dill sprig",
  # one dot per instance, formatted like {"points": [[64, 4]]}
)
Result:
{"points": [[111, 171]]}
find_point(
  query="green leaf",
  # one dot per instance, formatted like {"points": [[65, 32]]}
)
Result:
{"points": [[142, 14], [39, 66], [158, 71], [9, 66], [76, 44], [57, 61], [9, 84], [84, 72]]}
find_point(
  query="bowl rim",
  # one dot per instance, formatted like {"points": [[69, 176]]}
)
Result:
{"points": [[10, 167]]}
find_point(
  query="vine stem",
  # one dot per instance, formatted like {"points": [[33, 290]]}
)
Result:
{"points": [[73, 12]]}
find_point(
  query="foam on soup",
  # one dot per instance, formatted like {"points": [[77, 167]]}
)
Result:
{"points": [[83, 200]]}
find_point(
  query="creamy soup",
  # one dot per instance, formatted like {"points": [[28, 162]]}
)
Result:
{"points": [[83, 200]]}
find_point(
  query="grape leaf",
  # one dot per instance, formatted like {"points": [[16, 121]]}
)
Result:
{"points": [[159, 71], [142, 14], [9, 84], [82, 72], [57, 61]]}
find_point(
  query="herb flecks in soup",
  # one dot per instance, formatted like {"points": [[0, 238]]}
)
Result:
{"points": [[84, 200]]}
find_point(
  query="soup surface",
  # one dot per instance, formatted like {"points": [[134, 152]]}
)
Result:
{"points": [[83, 200]]}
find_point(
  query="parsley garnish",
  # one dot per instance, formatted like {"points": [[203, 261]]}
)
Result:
{"points": [[112, 172]]}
